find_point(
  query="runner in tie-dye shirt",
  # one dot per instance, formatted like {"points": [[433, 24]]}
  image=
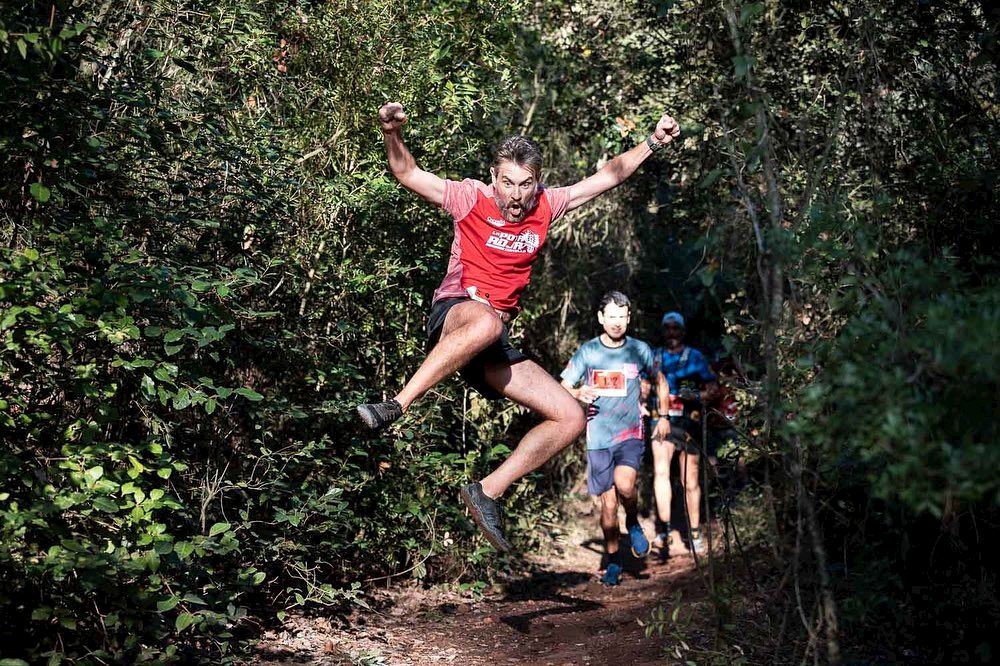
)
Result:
{"points": [[611, 367]]}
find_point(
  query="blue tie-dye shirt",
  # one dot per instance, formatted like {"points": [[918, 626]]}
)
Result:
{"points": [[612, 418]]}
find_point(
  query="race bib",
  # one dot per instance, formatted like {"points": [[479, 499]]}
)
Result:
{"points": [[609, 383], [676, 406]]}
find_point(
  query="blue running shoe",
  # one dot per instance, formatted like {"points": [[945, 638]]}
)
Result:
{"points": [[612, 575], [640, 544]]}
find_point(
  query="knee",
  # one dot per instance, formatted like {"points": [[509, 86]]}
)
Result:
{"points": [[488, 326], [628, 492], [661, 472], [574, 419]]}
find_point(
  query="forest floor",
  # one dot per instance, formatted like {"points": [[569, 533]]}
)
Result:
{"points": [[555, 613]]}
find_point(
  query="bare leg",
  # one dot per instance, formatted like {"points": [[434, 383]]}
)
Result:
{"points": [[529, 385], [468, 329], [609, 520], [663, 453], [692, 487], [625, 483]]}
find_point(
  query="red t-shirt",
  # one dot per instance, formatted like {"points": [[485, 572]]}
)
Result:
{"points": [[491, 258]]}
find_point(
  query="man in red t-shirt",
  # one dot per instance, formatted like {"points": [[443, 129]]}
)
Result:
{"points": [[499, 230]]}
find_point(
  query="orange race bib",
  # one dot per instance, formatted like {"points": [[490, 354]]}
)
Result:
{"points": [[610, 383]]}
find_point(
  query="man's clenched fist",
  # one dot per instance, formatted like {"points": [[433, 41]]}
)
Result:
{"points": [[391, 117], [666, 130]]}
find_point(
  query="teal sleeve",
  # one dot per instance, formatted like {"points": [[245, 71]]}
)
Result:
{"points": [[576, 368]]}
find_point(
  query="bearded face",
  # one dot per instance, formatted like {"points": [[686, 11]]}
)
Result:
{"points": [[516, 189]]}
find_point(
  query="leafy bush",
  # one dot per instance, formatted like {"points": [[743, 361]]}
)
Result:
{"points": [[205, 268]]}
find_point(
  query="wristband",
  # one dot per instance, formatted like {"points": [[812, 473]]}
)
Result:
{"points": [[653, 145]]}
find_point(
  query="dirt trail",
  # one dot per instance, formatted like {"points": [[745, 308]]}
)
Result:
{"points": [[557, 614]]}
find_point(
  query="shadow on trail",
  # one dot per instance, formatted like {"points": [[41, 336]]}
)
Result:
{"points": [[522, 622], [549, 586]]}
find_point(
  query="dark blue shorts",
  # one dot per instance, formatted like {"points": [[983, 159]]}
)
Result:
{"points": [[601, 464]]}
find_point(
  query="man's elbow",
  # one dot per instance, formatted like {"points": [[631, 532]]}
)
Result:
{"points": [[402, 172]]}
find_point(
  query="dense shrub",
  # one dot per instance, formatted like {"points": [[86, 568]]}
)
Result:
{"points": [[205, 267]]}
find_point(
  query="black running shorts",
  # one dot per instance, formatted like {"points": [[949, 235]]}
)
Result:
{"points": [[474, 373]]}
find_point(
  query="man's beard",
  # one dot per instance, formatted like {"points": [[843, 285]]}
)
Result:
{"points": [[526, 206]]}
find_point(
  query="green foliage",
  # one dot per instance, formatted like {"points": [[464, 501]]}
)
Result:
{"points": [[205, 266], [907, 389], [203, 271]]}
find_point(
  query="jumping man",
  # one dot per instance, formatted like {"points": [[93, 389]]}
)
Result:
{"points": [[611, 367], [499, 230]]}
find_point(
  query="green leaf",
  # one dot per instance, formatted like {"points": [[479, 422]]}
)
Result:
{"points": [[218, 528], [152, 560], [148, 387], [710, 178], [184, 620], [31, 254], [182, 399], [41, 613], [751, 11], [167, 604], [94, 473], [183, 549], [105, 504], [249, 394], [39, 192], [742, 65]]}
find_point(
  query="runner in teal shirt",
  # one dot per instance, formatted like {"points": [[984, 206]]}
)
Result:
{"points": [[611, 367]]}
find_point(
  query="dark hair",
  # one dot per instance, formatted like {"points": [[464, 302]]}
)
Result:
{"points": [[520, 150], [616, 297]]}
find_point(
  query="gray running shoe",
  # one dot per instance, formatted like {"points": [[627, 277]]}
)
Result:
{"points": [[380, 415], [487, 513]]}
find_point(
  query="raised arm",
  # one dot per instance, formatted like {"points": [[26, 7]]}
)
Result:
{"points": [[619, 169], [401, 163]]}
